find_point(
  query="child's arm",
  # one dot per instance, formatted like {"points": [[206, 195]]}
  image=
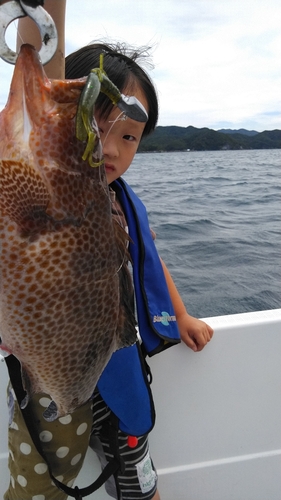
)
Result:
{"points": [[28, 33], [194, 332]]}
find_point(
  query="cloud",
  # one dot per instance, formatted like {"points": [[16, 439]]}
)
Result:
{"points": [[215, 61]]}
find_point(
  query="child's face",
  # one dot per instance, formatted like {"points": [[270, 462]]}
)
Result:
{"points": [[120, 140]]}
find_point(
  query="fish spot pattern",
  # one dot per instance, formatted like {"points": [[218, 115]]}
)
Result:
{"points": [[61, 311]]}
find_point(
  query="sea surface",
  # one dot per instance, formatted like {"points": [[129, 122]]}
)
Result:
{"points": [[217, 217]]}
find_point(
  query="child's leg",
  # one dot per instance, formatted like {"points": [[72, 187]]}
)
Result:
{"points": [[139, 480], [64, 441]]}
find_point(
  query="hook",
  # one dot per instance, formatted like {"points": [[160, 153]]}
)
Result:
{"points": [[12, 10]]}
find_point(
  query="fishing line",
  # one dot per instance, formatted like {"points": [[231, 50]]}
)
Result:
{"points": [[15, 23], [117, 216], [119, 118]]}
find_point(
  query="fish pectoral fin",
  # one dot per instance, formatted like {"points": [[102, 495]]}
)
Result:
{"points": [[27, 385], [24, 402], [128, 336], [51, 413], [126, 330], [24, 196]]}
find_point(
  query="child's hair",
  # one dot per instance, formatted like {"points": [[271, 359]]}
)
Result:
{"points": [[121, 69]]}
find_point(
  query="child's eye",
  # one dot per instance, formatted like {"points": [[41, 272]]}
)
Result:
{"points": [[129, 137]]}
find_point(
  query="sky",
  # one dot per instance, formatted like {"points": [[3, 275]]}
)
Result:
{"points": [[216, 63]]}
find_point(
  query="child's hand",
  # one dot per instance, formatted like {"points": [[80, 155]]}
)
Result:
{"points": [[194, 332]]}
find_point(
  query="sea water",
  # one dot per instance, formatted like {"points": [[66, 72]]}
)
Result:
{"points": [[217, 218]]}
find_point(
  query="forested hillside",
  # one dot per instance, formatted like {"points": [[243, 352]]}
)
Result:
{"points": [[174, 138]]}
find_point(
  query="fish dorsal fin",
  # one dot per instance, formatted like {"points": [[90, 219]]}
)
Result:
{"points": [[24, 196]]}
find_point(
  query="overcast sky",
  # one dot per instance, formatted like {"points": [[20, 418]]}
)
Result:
{"points": [[217, 63]]}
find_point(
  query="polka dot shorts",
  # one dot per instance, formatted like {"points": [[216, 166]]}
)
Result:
{"points": [[28, 471]]}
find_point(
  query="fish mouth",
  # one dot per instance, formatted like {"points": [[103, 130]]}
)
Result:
{"points": [[30, 68], [28, 87]]}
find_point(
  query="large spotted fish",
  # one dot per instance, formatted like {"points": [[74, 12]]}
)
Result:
{"points": [[62, 312]]}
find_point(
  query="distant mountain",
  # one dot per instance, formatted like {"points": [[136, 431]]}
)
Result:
{"points": [[174, 138], [242, 131]]}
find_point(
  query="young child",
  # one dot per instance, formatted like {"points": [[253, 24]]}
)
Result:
{"points": [[119, 418]]}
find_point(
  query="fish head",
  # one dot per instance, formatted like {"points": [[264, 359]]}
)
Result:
{"points": [[28, 90], [38, 141], [36, 112]]}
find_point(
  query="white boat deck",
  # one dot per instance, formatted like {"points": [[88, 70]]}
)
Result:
{"points": [[218, 429]]}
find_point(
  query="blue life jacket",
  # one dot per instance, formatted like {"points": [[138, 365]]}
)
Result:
{"points": [[123, 384]]}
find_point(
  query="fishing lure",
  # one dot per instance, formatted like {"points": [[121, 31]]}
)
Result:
{"points": [[97, 82]]}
